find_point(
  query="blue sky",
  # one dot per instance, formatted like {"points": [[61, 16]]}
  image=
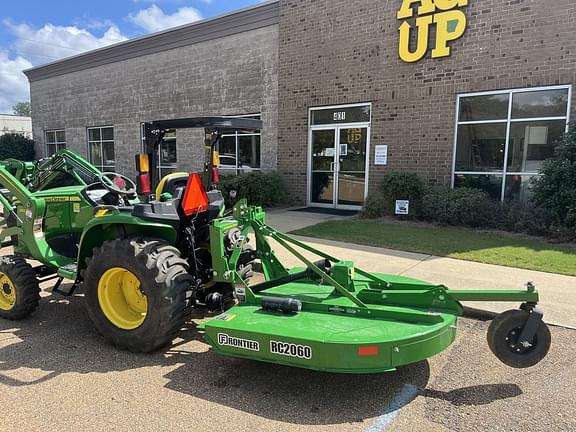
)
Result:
{"points": [[42, 31]]}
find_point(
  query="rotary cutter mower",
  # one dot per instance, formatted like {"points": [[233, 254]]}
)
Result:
{"points": [[332, 316]]}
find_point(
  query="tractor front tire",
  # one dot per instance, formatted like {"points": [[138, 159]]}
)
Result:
{"points": [[19, 289], [138, 293]]}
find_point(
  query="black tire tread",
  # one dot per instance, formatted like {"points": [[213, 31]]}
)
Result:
{"points": [[502, 325], [165, 273], [25, 283]]}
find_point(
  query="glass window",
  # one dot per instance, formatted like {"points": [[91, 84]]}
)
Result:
{"points": [[489, 183], [518, 187], [481, 147], [478, 108], [486, 134], [101, 148], [249, 152], [94, 134], [167, 154], [358, 114], [548, 103], [531, 143], [239, 151], [55, 141]]}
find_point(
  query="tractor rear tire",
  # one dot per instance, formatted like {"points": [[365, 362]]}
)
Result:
{"points": [[19, 289], [139, 293], [503, 335]]}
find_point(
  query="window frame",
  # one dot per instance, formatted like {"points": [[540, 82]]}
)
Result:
{"points": [[509, 121], [56, 143], [237, 170], [101, 166]]}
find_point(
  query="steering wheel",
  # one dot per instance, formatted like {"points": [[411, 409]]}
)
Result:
{"points": [[117, 183]]}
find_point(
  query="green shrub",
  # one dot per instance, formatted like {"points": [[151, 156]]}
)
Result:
{"points": [[525, 217], [562, 234], [14, 146], [555, 190], [402, 186], [463, 207], [264, 189], [373, 208]]}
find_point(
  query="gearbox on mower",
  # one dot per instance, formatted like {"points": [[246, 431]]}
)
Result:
{"points": [[146, 253]]}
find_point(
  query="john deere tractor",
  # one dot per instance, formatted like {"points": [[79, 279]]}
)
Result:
{"points": [[142, 256]]}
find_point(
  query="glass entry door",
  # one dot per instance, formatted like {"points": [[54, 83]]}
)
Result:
{"points": [[338, 167]]}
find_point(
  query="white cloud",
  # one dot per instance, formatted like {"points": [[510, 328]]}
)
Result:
{"points": [[154, 19], [33, 47], [55, 42], [36, 46], [13, 83], [163, 1]]}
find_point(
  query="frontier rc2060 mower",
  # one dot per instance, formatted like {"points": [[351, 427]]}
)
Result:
{"points": [[144, 263]]}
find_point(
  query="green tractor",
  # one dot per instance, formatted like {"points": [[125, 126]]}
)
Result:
{"points": [[145, 260]]}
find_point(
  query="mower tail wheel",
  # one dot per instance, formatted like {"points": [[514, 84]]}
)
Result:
{"points": [[139, 293], [503, 339], [19, 289]]}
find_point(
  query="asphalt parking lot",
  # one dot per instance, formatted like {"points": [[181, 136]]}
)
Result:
{"points": [[57, 374]]}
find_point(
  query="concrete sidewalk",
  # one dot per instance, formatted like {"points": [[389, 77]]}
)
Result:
{"points": [[558, 293]]}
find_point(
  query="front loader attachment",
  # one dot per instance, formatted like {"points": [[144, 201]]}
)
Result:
{"points": [[331, 316]]}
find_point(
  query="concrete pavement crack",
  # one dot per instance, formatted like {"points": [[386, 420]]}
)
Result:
{"points": [[403, 273]]}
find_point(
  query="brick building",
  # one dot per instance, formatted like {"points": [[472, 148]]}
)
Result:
{"points": [[463, 92]]}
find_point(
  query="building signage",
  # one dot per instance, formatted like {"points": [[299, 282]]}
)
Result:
{"points": [[445, 15], [381, 155], [402, 208]]}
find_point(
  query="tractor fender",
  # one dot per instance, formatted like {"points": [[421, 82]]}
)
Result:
{"points": [[119, 225]]}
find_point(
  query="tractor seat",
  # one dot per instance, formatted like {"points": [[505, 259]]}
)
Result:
{"points": [[174, 184]]}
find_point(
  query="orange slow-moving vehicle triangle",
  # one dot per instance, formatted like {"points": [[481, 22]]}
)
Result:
{"points": [[195, 199]]}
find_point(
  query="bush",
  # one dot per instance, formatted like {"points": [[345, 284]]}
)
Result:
{"points": [[402, 186], [555, 190], [14, 146], [462, 206], [373, 208], [264, 189], [525, 217]]}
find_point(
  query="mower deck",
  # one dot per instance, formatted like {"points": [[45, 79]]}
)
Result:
{"points": [[333, 316], [329, 335]]}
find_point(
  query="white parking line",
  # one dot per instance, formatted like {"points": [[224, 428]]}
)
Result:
{"points": [[407, 395]]}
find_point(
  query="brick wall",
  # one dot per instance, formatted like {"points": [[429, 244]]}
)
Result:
{"points": [[338, 52], [232, 75]]}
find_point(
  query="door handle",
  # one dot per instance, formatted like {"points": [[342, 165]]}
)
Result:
{"points": [[332, 165]]}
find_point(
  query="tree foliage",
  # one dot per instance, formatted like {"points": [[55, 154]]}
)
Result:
{"points": [[555, 189], [15, 146], [23, 109]]}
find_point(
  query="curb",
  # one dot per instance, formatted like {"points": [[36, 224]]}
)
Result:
{"points": [[484, 315]]}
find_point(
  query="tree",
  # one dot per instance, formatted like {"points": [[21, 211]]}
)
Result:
{"points": [[555, 189], [15, 146], [23, 109]]}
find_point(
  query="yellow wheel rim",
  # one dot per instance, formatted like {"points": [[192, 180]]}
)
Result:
{"points": [[121, 298], [7, 293]]}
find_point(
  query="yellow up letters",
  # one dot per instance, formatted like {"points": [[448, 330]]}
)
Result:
{"points": [[427, 6], [450, 25]]}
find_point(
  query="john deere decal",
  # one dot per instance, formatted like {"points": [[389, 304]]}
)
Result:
{"points": [[450, 22]]}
